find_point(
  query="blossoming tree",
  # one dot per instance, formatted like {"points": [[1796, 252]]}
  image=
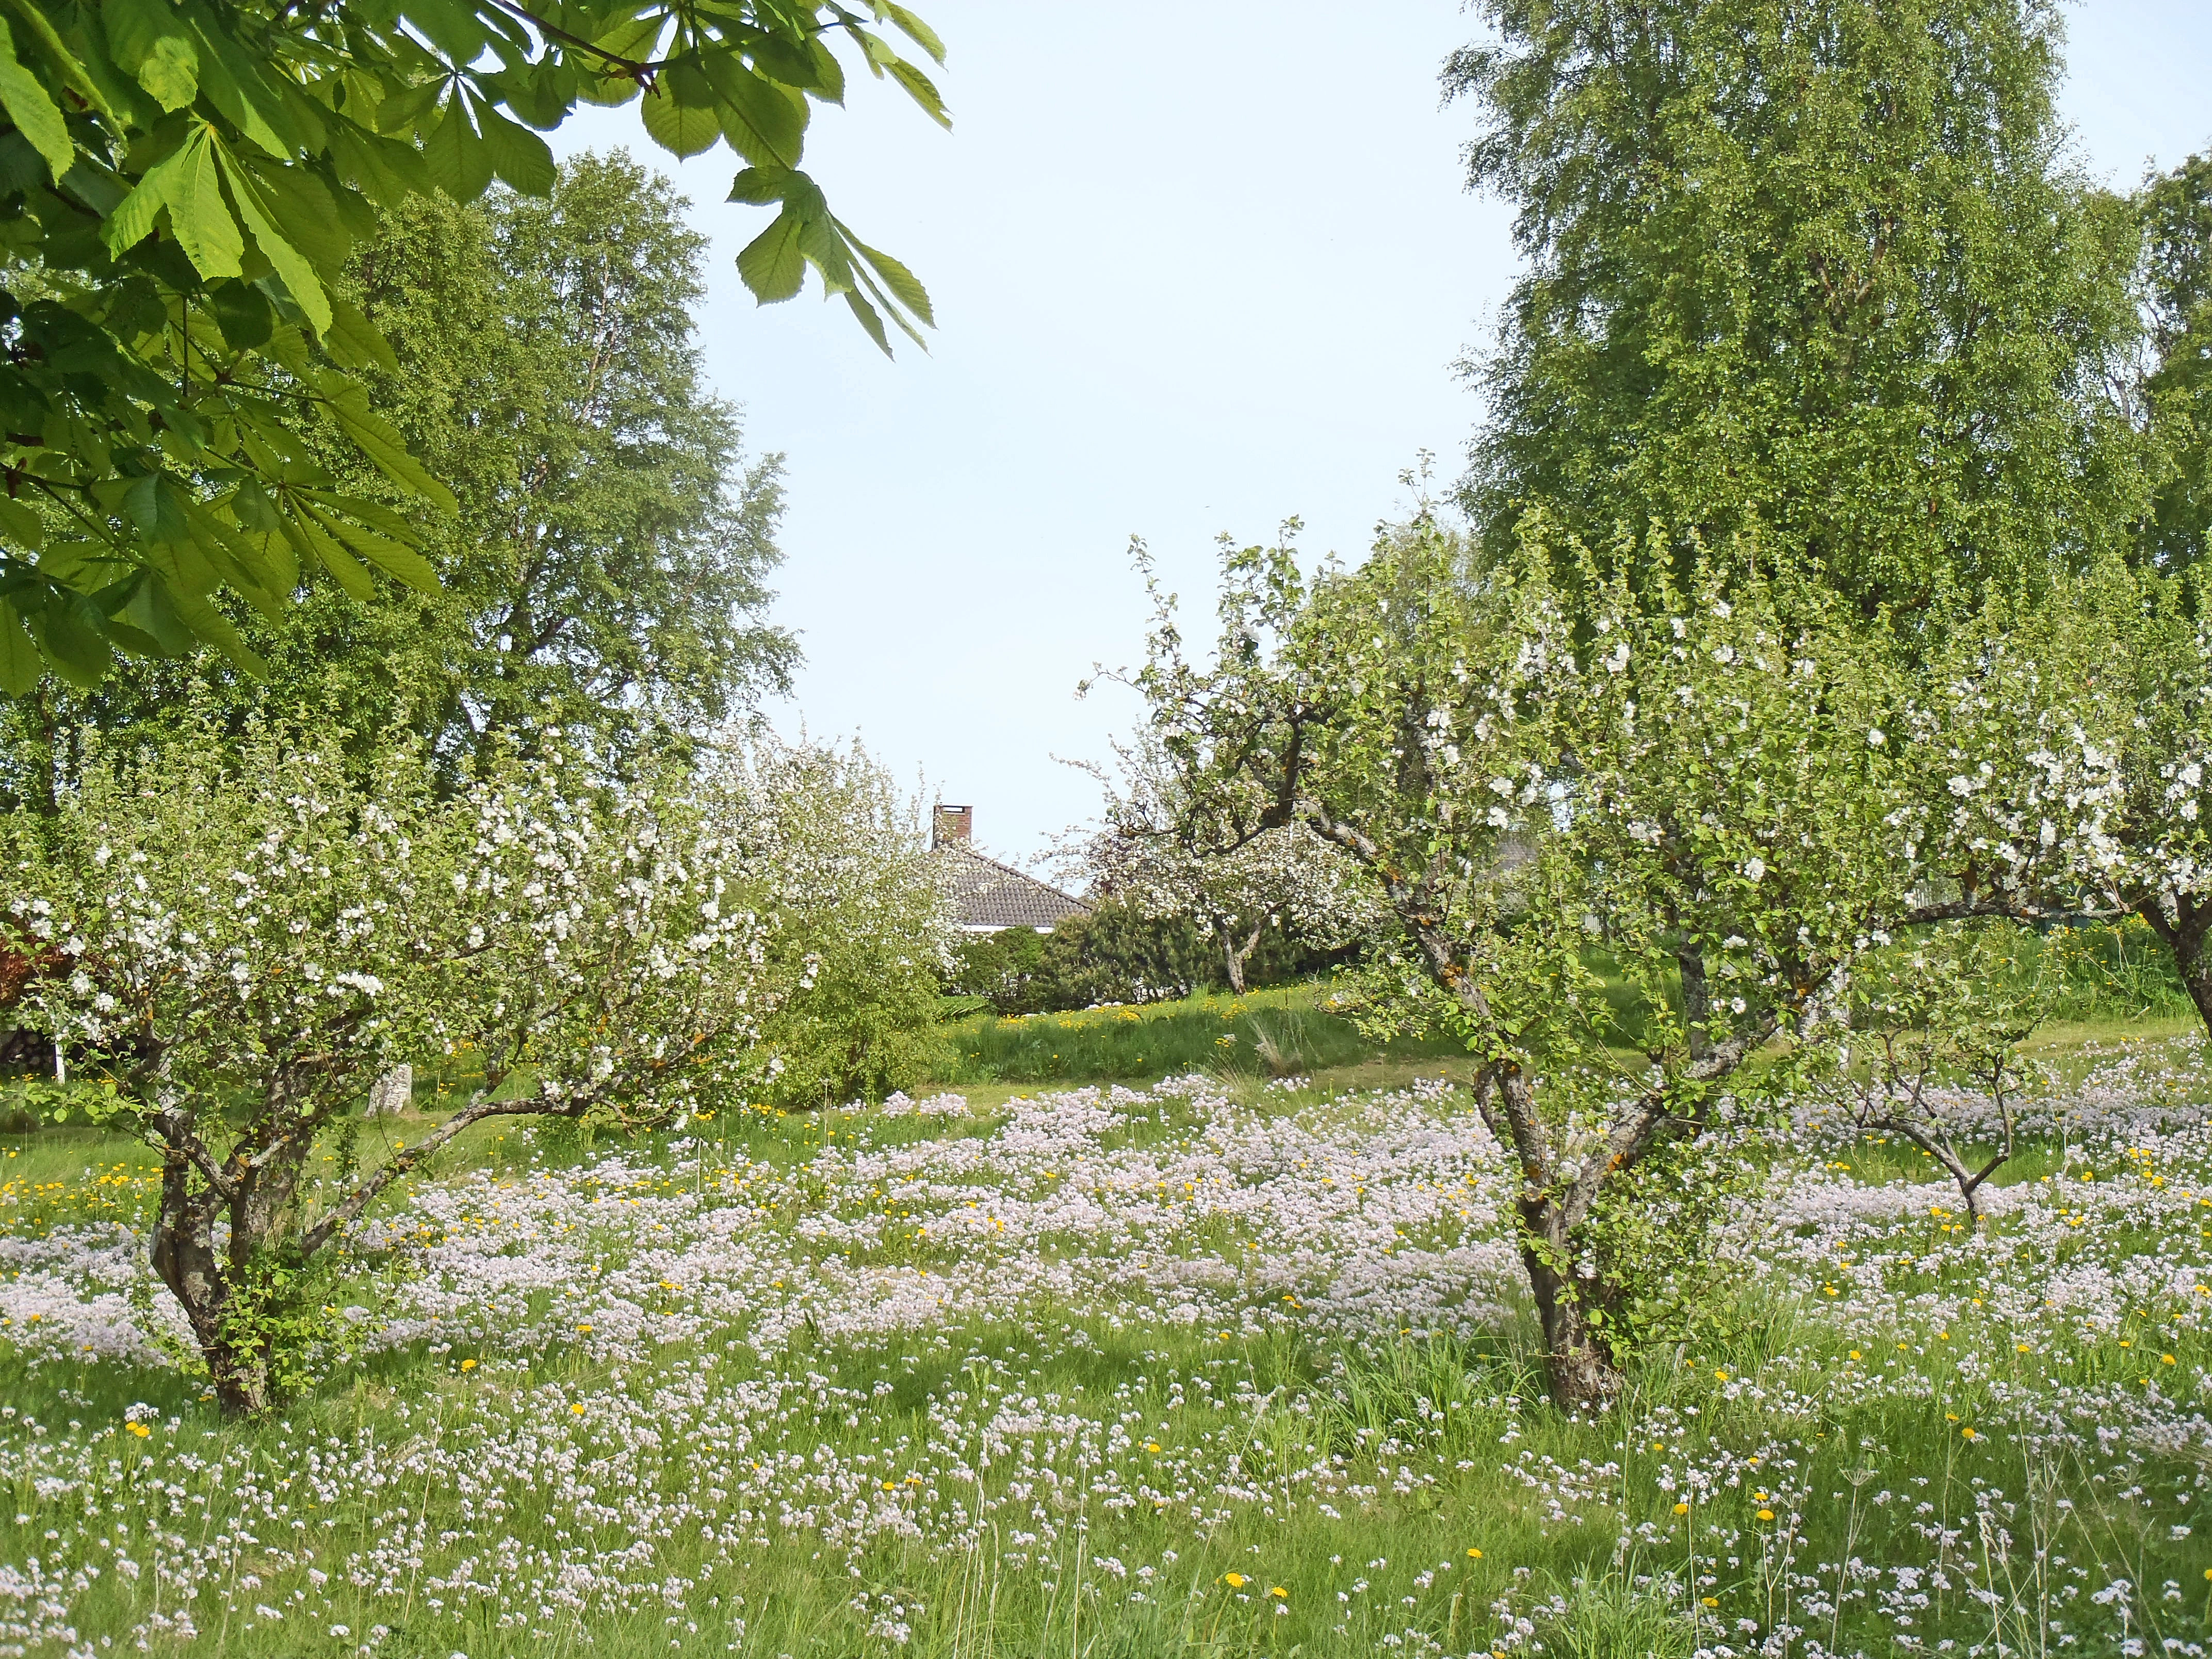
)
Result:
{"points": [[2066, 752], [1623, 845], [1287, 877], [239, 948]]}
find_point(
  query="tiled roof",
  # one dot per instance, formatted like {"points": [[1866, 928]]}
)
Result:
{"points": [[989, 894]]}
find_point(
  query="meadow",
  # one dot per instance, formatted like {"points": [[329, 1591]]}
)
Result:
{"points": [[1220, 1364]]}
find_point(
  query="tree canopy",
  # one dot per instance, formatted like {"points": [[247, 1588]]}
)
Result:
{"points": [[181, 189], [605, 569], [2176, 215], [1822, 267]]}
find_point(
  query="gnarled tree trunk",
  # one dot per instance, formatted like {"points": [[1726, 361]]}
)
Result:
{"points": [[1576, 1365], [205, 1282], [224, 1286]]}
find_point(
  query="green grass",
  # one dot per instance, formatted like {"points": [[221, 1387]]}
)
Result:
{"points": [[1282, 1031], [1853, 1447]]}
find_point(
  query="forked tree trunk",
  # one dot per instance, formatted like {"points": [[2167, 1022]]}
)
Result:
{"points": [[1581, 1373], [1236, 956], [189, 1261], [221, 1288], [1576, 1365]]}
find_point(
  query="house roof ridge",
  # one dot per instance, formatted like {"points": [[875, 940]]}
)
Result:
{"points": [[968, 851]]}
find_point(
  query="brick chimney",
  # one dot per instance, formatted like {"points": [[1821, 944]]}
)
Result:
{"points": [[951, 826]]}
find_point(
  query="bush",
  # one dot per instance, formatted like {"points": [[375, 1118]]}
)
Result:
{"points": [[1001, 968], [861, 924]]}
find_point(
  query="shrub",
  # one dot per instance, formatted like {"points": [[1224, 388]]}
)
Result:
{"points": [[1000, 968], [860, 927]]}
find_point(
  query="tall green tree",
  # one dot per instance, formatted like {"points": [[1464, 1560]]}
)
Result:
{"points": [[2177, 218], [181, 186], [1821, 265], [606, 569]]}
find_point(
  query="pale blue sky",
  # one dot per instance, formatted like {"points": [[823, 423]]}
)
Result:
{"points": [[1197, 267]]}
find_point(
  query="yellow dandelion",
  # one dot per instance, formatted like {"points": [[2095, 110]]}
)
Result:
{"points": [[1474, 1555], [1234, 1580], [1766, 1515], [1722, 1375], [1280, 1592], [468, 1364], [1681, 1508]]}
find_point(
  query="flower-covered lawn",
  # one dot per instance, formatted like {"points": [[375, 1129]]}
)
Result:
{"points": [[1111, 1372]]}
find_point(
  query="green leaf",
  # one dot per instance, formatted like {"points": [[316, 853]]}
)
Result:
{"points": [[232, 80], [869, 320], [686, 79], [825, 250], [355, 340], [408, 106], [300, 277], [33, 110], [632, 40], [829, 73], [152, 611], [459, 163], [65, 63], [542, 95], [150, 42], [866, 284], [304, 212], [208, 623], [765, 123], [381, 441], [19, 666], [244, 562], [372, 513], [761, 186], [680, 129], [921, 89], [25, 528], [313, 542], [518, 154], [242, 312], [383, 169], [132, 219], [452, 27], [197, 212], [155, 503], [392, 558], [901, 283], [73, 635], [783, 60], [914, 30], [773, 264]]}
